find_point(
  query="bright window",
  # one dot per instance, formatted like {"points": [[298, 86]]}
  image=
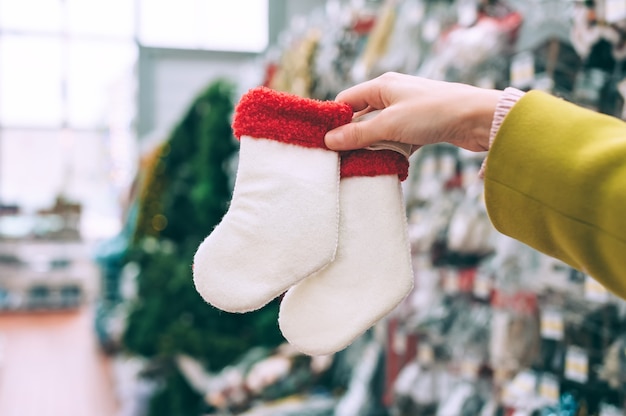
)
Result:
{"points": [[235, 25], [31, 15], [30, 81], [110, 18], [94, 68], [67, 86], [59, 58]]}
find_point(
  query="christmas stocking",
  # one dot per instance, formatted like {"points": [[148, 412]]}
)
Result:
{"points": [[372, 271], [282, 223]]}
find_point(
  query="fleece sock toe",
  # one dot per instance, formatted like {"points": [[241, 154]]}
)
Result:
{"points": [[372, 271]]}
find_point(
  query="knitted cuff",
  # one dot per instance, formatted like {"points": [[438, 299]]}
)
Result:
{"points": [[264, 113], [509, 97], [363, 162]]}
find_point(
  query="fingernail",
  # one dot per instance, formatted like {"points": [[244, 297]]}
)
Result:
{"points": [[333, 137]]}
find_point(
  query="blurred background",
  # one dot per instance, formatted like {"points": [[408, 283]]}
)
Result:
{"points": [[117, 159]]}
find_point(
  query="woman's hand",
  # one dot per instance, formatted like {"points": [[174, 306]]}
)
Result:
{"points": [[416, 111]]}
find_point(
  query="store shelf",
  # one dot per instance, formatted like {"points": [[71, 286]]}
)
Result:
{"points": [[40, 275]]}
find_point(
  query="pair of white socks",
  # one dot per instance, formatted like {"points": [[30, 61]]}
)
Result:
{"points": [[328, 229]]}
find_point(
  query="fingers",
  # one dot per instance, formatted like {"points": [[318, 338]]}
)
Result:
{"points": [[365, 99], [354, 135], [364, 95]]}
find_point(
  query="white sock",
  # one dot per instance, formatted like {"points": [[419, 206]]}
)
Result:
{"points": [[370, 276], [282, 224]]}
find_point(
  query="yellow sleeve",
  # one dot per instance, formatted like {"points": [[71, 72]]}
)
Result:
{"points": [[556, 180]]}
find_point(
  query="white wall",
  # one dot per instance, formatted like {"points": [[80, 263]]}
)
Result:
{"points": [[169, 79]]}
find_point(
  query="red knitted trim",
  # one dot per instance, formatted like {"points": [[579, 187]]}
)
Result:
{"points": [[269, 114], [364, 162]]}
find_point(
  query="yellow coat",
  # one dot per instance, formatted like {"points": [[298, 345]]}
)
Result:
{"points": [[556, 180]]}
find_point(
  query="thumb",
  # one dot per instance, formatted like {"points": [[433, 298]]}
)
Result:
{"points": [[353, 136]]}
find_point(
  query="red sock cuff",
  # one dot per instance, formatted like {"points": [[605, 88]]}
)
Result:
{"points": [[269, 114], [364, 162]]}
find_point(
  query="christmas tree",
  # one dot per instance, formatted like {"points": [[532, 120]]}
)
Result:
{"points": [[185, 193]]}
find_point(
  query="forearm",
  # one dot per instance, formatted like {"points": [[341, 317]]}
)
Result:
{"points": [[555, 179]]}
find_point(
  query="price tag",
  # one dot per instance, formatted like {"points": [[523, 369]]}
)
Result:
{"points": [[399, 342], [621, 87], [595, 292], [525, 383], [451, 282], [431, 29], [576, 364], [507, 395], [448, 165], [482, 286], [552, 326], [523, 70], [549, 388], [522, 386], [610, 410], [486, 82], [614, 10], [425, 354], [429, 166], [470, 368], [467, 11]]}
